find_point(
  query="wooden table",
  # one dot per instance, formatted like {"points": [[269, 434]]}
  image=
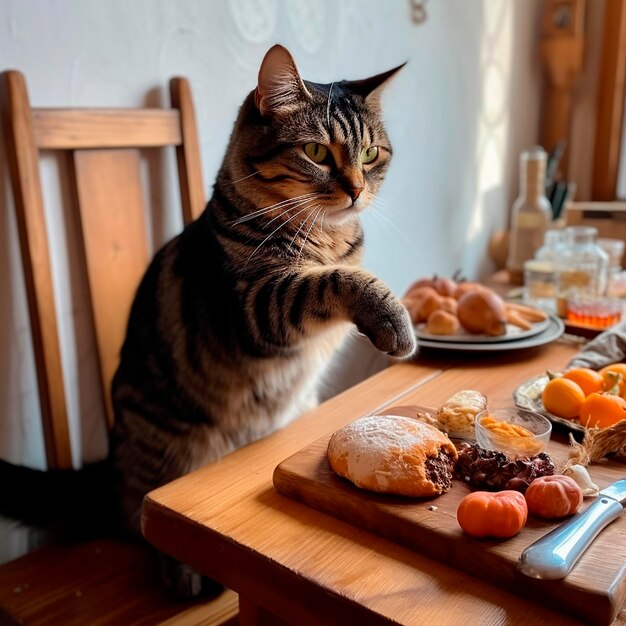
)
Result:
{"points": [[293, 564]]}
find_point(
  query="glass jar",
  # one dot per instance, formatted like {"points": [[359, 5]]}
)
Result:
{"points": [[540, 272], [531, 214], [581, 267], [553, 239], [615, 279]]}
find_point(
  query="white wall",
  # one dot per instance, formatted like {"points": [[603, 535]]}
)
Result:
{"points": [[458, 115]]}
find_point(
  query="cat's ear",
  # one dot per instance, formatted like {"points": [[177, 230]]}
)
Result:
{"points": [[371, 88], [280, 86]]}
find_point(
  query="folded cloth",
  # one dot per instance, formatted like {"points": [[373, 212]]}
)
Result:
{"points": [[608, 347]]}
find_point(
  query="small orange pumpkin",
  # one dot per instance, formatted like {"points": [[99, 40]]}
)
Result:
{"points": [[486, 514], [445, 286], [553, 497]]}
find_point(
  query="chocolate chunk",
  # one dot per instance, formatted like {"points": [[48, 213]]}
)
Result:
{"points": [[492, 470]]}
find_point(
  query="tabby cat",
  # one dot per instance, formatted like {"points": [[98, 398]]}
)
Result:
{"points": [[237, 317]]}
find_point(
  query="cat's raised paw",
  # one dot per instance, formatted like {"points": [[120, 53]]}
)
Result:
{"points": [[390, 329]]}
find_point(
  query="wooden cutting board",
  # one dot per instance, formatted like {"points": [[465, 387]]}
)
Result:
{"points": [[594, 591]]}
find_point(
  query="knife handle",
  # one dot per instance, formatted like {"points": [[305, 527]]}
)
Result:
{"points": [[553, 556]]}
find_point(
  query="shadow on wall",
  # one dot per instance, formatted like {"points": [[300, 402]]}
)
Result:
{"points": [[489, 149], [515, 122], [468, 126], [433, 116]]}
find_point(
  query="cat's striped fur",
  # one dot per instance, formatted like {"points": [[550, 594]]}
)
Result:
{"points": [[237, 317]]}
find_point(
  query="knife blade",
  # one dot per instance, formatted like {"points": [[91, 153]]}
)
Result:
{"points": [[553, 556]]}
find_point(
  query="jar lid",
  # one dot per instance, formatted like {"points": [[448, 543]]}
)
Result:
{"points": [[587, 231], [553, 236]]}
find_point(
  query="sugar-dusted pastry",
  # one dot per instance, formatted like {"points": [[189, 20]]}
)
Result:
{"points": [[393, 454]]}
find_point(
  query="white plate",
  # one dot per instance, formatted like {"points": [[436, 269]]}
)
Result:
{"points": [[513, 333], [553, 331], [528, 396]]}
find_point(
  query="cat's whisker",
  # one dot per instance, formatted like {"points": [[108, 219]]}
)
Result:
{"points": [[307, 202], [330, 91], [321, 226], [308, 232], [266, 209], [380, 202], [291, 208], [376, 211], [234, 182], [387, 221], [304, 221], [306, 208], [287, 201]]}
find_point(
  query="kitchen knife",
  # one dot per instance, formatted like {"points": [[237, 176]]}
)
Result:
{"points": [[553, 556]]}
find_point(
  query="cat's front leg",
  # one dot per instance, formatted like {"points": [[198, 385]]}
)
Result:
{"points": [[284, 310], [375, 311]]}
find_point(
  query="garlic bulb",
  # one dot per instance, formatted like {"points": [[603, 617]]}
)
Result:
{"points": [[581, 476]]}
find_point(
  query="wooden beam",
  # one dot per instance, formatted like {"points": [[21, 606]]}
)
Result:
{"points": [[562, 46], [610, 110]]}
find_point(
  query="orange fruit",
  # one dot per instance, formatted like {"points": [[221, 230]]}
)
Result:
{"points": [[563, 397], [599, 410], [609, 381], [588, 380]]}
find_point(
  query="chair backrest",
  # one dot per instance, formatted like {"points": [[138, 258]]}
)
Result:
{"points": [[103, 152]]}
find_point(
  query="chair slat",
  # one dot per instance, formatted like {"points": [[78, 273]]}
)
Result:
{"points": [[192, 192], [24, 171], [66, 129], [110, 201]]}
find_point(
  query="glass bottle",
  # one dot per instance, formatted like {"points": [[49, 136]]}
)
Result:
{"points": [[582, 267], [531, 214]]}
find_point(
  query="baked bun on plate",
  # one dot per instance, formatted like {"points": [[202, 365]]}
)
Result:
{"points": [[393, 454]]}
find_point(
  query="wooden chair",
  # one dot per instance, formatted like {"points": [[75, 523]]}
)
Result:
{"points": [[104, 581]]}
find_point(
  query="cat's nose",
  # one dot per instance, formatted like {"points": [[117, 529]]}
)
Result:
{"points": [[355, 192]]}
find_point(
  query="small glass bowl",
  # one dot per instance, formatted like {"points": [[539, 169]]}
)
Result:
{"points": [[594, 312], [501, 435]]}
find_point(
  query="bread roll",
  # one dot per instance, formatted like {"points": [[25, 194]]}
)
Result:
{"points": [[457, 414], [429, 304], [442, 322], [393, 454], [449, 304]]}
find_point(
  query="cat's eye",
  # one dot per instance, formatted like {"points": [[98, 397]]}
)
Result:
{"points": [[369, 155], [316, 152]]}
